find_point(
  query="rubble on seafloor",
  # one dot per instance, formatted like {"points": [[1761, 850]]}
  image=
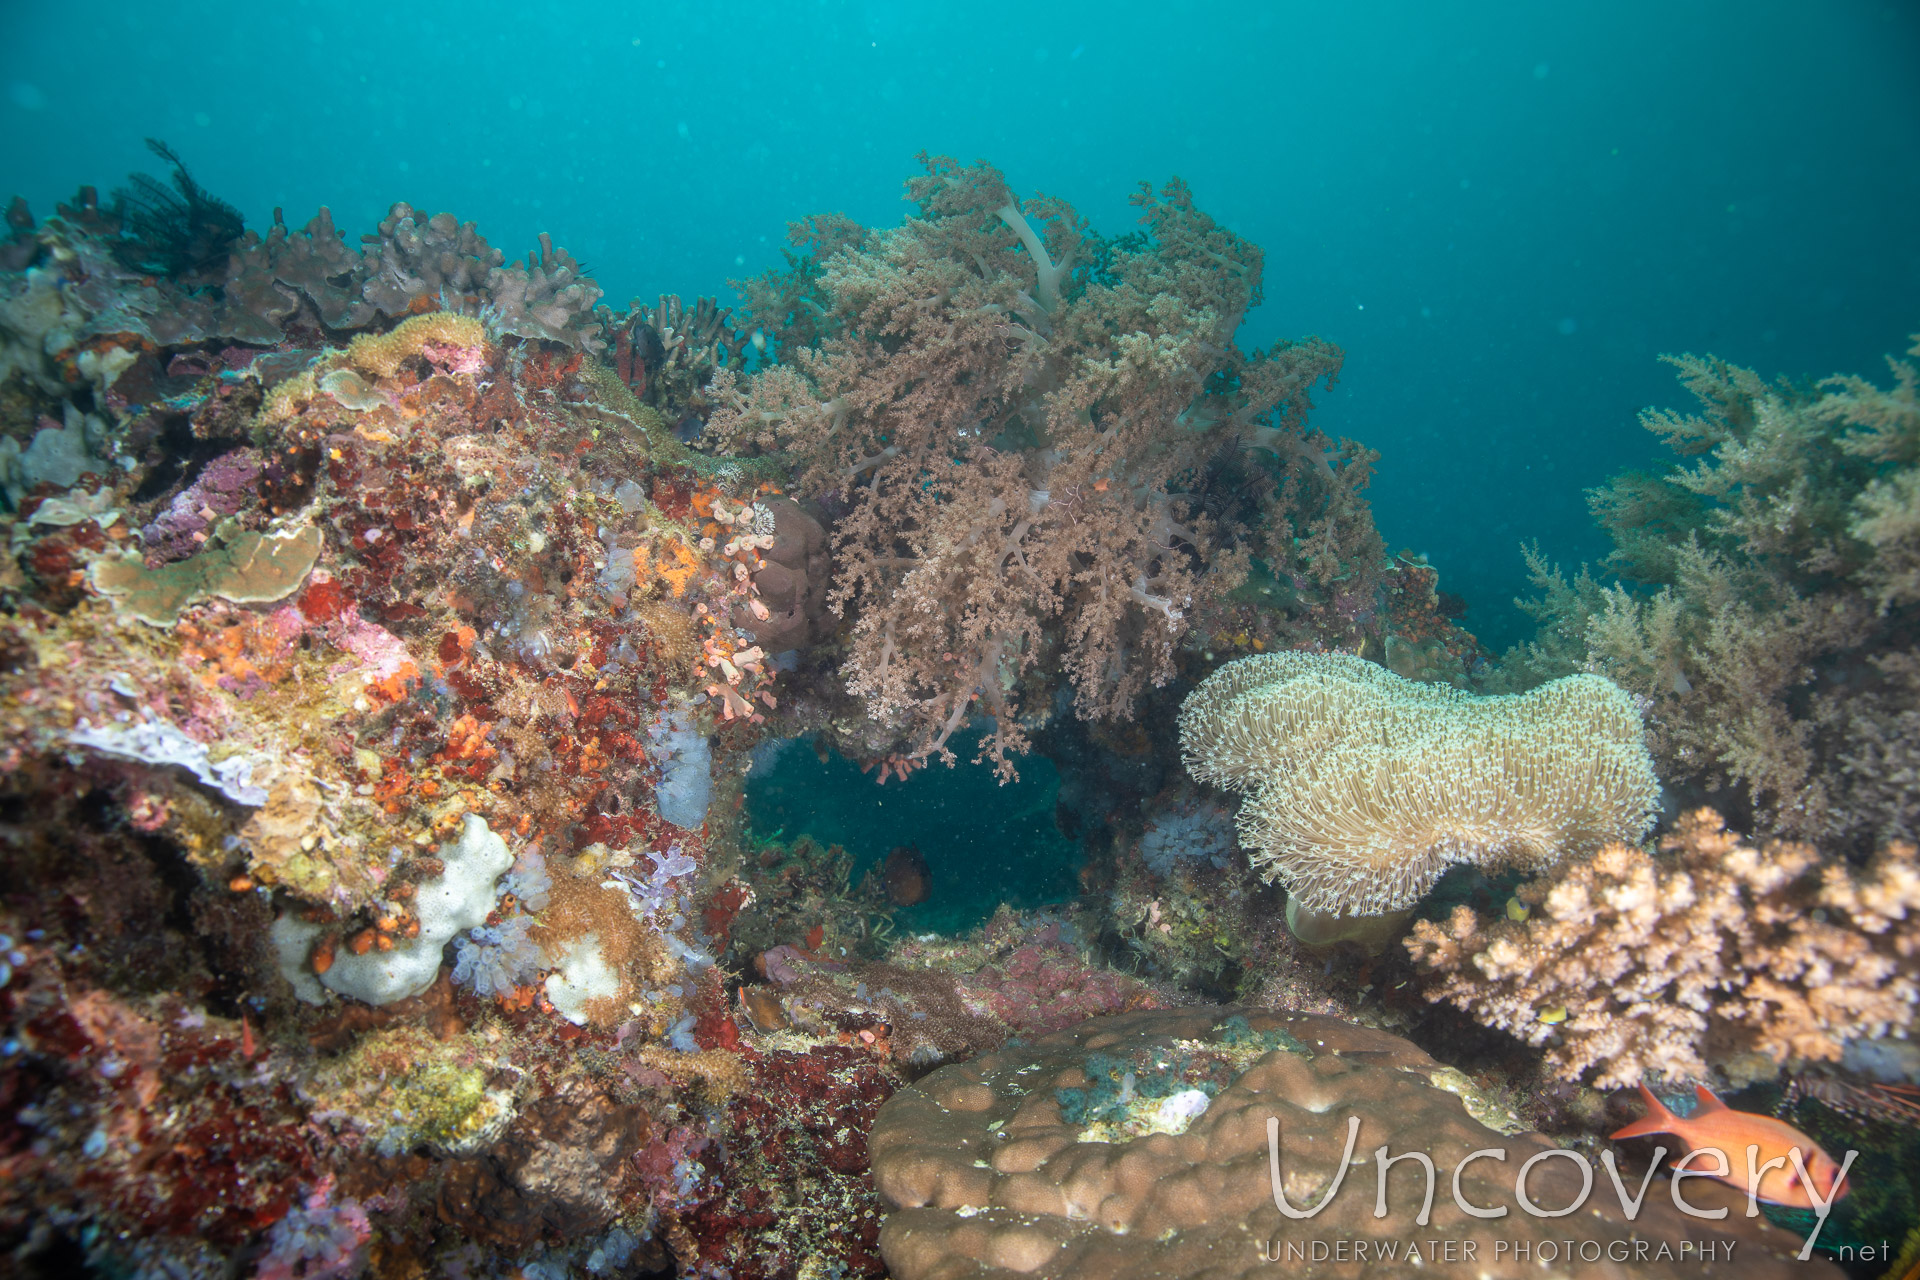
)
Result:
{"points": [[381, 658]]}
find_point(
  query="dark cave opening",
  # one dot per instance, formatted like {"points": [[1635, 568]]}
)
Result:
{"points": [[984, 843]]}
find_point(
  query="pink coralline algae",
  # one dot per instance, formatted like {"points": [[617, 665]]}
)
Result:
{"points": [[382, 651], [227, 485], [316, 1240], [1046, 984]]}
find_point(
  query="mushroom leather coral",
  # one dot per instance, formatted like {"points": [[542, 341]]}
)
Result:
{"points": [[988, 1179], [1367, 786], [1651, 958]]}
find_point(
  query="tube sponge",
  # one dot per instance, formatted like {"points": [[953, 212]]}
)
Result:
{"points": [[494, 959]]}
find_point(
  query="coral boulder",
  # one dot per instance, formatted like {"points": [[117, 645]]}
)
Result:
{"points": [[1138, 1145]]}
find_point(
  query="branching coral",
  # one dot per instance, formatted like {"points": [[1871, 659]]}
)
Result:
{"points": [[1769, 598], [1045, 444], [1637, 963], [1366, 786], [668, 353]]}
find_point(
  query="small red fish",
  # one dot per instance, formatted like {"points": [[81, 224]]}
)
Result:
{"points": [[246, 1035], [1714, 1124]]}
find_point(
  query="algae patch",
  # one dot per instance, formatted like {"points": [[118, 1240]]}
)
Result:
{"points": [[409, 1090]]}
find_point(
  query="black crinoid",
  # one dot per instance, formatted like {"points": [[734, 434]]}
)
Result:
{"points": [[175, 232]]}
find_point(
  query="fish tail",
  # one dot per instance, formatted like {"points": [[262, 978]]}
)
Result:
{"points": [[1657, 1120]]}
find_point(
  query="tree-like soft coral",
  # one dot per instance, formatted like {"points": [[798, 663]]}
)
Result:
{"points": [[1767, 600], [1635, 963], [1043, 448]]}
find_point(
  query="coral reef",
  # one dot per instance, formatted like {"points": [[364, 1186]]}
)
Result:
{"points": [[1714, 949], [151, 275], [386, 633], [314, 654], [1765, 608], [1366, 786], [1043, 450], [1139, 1145]]}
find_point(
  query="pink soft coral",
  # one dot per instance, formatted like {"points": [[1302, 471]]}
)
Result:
{"points": [[1037, 439]]}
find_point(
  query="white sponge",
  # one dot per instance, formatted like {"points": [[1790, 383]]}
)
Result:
{"points": [[581, 975], [459, 898]]}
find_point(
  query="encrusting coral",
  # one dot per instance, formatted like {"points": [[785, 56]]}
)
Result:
{"points": [[1043, 448], [1366, 786], [1642, 964], [1768, 601], [241, 566]]}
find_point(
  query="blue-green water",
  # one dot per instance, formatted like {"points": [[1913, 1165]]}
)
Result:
{"points": [[984, 843], [1504, 212]]}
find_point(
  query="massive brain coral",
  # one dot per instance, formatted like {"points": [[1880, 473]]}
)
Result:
{"points": [[1366, 786], [1137, 1145]]}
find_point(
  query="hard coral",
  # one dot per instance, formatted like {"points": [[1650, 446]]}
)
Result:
{"points": [[255, 289], [1040, 1160], [236, 565], [1640, 964]]}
